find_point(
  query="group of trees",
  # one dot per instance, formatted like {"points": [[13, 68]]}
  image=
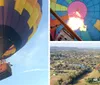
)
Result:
{"points": [[93, 80], [72, 78]]}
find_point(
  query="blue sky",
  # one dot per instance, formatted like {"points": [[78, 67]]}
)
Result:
{"points": [[82, 44], [30, 64]]}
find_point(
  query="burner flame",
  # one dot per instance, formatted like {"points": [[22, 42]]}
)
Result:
{"points": [[75, 22]]}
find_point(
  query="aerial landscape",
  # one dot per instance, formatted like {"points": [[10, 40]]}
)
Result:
{"points": [[74, 65]]}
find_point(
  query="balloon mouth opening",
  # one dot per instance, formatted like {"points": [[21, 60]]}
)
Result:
{"points": [[10, 41]]}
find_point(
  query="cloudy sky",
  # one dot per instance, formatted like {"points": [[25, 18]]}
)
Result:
{"points": [[30, 64]]}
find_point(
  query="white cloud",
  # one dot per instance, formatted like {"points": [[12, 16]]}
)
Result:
{"points": [[35, 70]]}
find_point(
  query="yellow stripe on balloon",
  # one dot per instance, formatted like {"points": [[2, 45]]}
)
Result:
{"points": [[35, 26], [1, 2], [19, 6], [29, 5], [34, 11], [9, 52], [34, 16], [32, 2], [29, 8]]}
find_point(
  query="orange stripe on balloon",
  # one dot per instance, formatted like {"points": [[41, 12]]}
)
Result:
{"points": [[1, 2], [32, 2], [56, 22]]}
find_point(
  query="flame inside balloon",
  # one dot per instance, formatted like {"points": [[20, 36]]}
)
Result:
{"points": [[78, 14], [75, 21]]}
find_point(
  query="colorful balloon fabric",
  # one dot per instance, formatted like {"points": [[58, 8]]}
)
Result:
{"points": [[84, 17], [18, 23]]}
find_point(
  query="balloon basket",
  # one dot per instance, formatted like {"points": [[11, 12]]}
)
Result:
{"points": [[5, 70]]}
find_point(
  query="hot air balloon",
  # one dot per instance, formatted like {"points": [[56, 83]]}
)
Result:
{"points": [[82, 16], [19, 20]]}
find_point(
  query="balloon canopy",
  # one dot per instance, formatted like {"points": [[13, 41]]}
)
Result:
{"points": [[82, 16], [18, 23]]}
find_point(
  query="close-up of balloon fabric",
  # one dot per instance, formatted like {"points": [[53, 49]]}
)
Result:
{"points": [[82, 16]]}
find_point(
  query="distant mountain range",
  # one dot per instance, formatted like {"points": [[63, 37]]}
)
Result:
{"points": [[70, 48]]}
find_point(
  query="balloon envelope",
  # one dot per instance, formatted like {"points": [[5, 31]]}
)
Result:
{"points": [[18, 22]]}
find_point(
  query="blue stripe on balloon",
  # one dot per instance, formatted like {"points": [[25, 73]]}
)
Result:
{"points": [[1, 15], [93, 32], [64, 3], [91, 9], [91, 15], [23, 29], [97, 8], [62, 13], [95, 2], [78, 32], [97, 15], [5, 10], [15, 19], [89, 4], [85, 36], [10, 11], [51, 16], [59, 29]]}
